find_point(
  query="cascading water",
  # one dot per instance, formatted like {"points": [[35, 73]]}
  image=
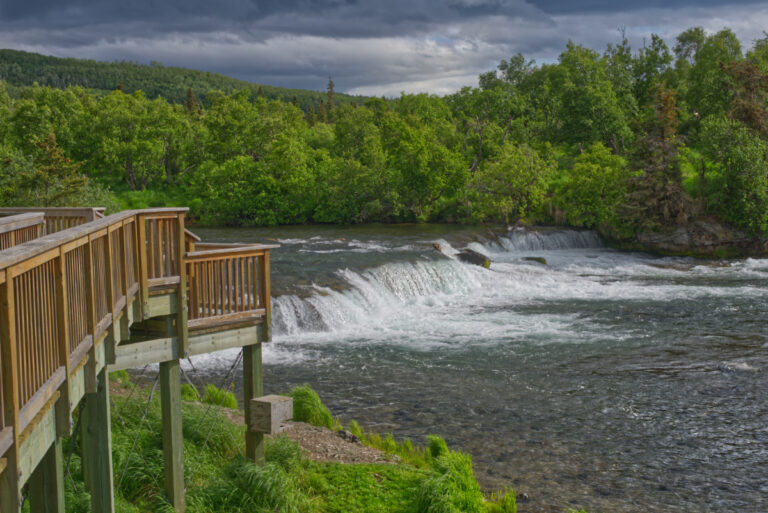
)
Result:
{"points": [[600, 379]]}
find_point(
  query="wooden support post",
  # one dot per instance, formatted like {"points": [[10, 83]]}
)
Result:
{"points": [[173, 446], [253, 386], [10, 494], [97, 446], [46, 484]]}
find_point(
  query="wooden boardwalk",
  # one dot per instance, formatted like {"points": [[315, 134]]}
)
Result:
{"points": [[73, 284]]}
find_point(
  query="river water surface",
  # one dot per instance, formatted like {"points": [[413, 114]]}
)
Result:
{"points": [[616, 382]]}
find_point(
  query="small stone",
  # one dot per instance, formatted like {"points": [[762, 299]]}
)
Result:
{"points": [[348, 436]]}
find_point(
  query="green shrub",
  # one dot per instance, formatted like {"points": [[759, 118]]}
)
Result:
{"points": [[307, 407], [453, 488], [189, 393], [219, 397], [437, 446], [502, 502]]}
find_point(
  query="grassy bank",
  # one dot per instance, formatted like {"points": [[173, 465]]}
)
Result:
{"points": [[430, 479]]}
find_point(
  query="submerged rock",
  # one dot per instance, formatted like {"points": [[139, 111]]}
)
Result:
{"points": [[471, 256], [540, 260]]}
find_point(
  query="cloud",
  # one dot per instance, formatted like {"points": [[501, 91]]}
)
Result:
{"points": [[368, 47]]}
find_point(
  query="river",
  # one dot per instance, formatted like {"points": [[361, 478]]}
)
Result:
{"points": [[612, 381]]}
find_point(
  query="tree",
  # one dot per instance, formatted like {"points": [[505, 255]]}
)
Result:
{"points": [[708, 91], [688, 44], [514, 185], [594, 188], [749, 88], [656, 197], [737, 179], [590, 110], [52, 180], [650, 65], [190, 104], [331, 95]]}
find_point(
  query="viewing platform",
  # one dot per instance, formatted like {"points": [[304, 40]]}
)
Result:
{"points": [[75, 288]]}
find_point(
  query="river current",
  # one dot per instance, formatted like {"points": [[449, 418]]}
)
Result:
{"points": [[605, 380]]}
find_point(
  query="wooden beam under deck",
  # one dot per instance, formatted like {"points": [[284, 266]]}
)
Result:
{"points": [[138, 354]]}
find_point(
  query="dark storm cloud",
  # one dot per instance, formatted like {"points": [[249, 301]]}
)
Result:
{"points": [[254, 19], [370, 47]]}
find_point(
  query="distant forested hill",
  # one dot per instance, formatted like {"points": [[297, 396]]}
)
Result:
{"points": [[19, 69]]}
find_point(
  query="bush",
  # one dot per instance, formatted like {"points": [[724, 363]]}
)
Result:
{"points": [[219, 397], [453, 488], [189, 393], [307, 407], [502, 502]]}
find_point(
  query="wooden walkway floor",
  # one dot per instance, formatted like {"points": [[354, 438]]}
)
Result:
{"points": [[73, 284]]}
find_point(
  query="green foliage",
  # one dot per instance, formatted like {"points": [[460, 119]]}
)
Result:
{"points": [[622, 141], [737, 178], [502, 502], [219, 397], [307, 407], [513, 186], [594, 187], [23, 69], [453, 488], [189, 393]]}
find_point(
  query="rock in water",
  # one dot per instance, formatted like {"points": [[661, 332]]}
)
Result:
{"points": [[540, 260], [473, 257]]}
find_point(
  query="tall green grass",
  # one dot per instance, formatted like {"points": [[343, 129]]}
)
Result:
{"points": [[219, 397], [307, 407]]}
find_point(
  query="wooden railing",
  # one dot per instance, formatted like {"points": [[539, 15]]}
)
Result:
{"points": [[228, 284], [60, 293], [59, 218], [21, 228]]}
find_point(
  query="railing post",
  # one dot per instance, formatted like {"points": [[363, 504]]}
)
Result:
{"points": [[63, 408], [124, 321], [183, 308], [141, 255], [112, 339], [265, 293], [253, 387], [10, 493], [90, 366]]}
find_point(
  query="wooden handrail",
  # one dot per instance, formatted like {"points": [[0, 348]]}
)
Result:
{"points": [[20, 228], [60, 218], [17, 221], [228, 285]]}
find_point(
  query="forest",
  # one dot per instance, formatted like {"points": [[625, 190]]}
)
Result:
{"points": [[623, 141]]}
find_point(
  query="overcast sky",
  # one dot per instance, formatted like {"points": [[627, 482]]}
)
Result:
{"points": [[369, 47]]}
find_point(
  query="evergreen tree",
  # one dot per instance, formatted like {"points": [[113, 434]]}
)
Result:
{"points": [[749, 87], [53, 180], [190, 104], [322, 112], [331, 93]]}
